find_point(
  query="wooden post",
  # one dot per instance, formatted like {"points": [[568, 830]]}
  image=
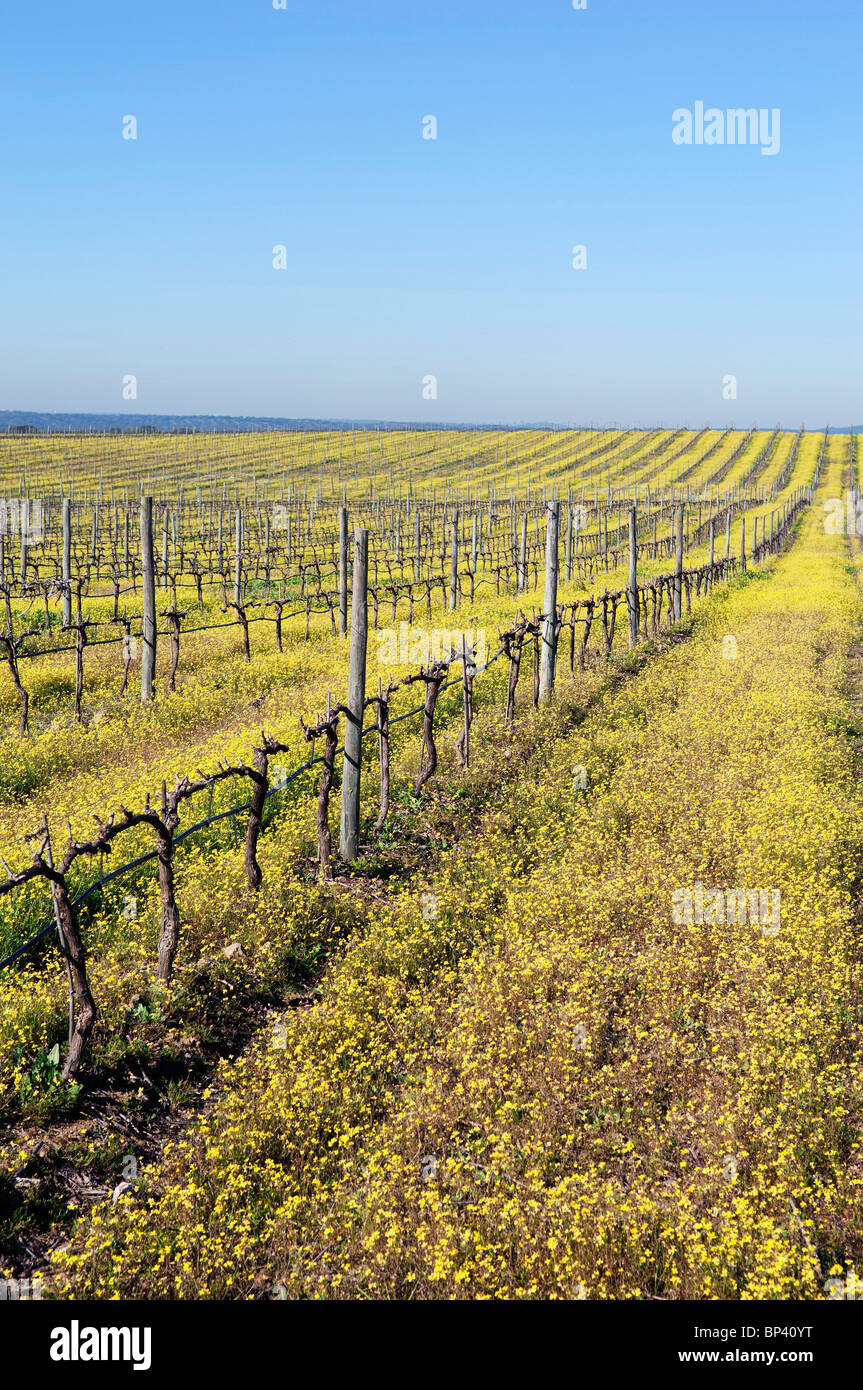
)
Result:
{"points": [[677, 610], [165, 549], [148, 589], [546, 666], [712, 530], [238, 557], [23, 527], [632, 586], [343, 569], [743, 544], [453, 565], [67, 562], [569, 523], [522, 561], [350, 815]]}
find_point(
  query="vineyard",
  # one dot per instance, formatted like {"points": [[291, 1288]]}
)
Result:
{"points": [[430, 864]]}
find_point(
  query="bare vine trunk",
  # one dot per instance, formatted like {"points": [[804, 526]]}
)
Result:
{"points": [[85, 1008], [170, 935], [256, 815]]}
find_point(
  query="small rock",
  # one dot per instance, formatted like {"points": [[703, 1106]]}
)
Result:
{"points": [[120, 1191]]}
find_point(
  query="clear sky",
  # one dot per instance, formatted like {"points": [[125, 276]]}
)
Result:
{"points": [[408, 257]]}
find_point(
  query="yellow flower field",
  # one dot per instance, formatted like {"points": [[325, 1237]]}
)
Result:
{"points": [[538, 1041]]}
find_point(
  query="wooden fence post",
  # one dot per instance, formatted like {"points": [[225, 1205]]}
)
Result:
{"points": [[67, 562], [350, 814], [343, 569], [238, 557], [632, 594], [148, 590], [522, 559], [165, 548], [569, 525], [677, 588], [546, 666], [453, 564]]}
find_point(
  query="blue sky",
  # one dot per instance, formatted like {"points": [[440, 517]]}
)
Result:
{"points": [[451, 257]]}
